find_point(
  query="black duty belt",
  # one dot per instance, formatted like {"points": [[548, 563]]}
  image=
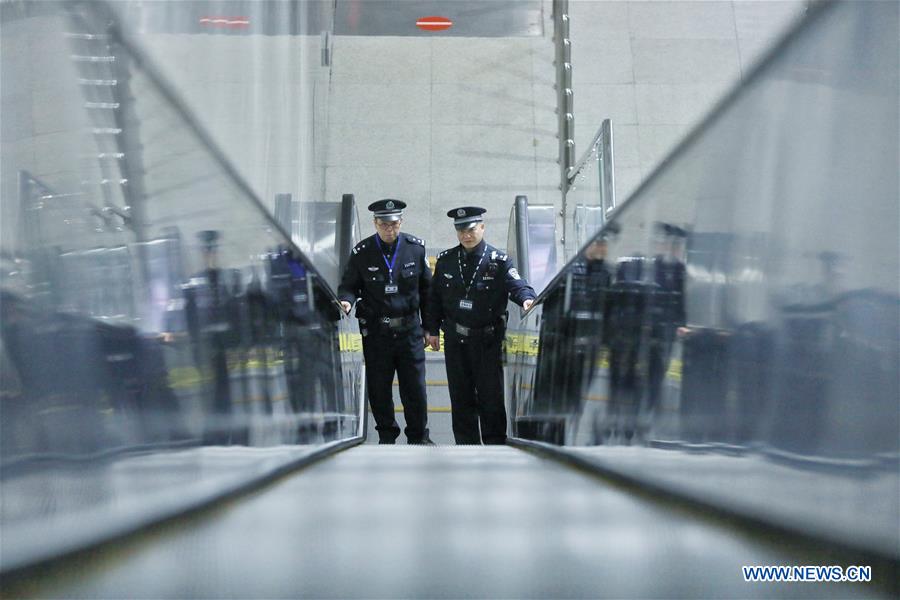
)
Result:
{"points": [[472, 331], [398, 322], [586, 315]]}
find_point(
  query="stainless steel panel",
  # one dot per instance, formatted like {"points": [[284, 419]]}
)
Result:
{"points": [[541, 245], [314, 229]]}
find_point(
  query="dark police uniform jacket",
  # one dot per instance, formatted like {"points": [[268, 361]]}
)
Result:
{"points": [[367, 275], [494, 284]]}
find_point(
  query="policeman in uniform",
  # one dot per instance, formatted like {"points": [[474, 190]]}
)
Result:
{"points": [[473, 283], [388, 272]]}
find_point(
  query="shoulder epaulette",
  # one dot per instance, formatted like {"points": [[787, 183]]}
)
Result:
{"points": [[415, 240], [497, 255], [447, 251], [360, 246]]}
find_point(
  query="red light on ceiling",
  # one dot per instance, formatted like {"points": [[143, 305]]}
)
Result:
{"points": [[434, 23], [225, 22]]}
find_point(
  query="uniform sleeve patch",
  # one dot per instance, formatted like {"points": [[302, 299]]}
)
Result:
{"points": [[514, 274]]}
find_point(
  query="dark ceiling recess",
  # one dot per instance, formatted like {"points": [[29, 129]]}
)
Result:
{"points": [[471, 18], [229, 17]]}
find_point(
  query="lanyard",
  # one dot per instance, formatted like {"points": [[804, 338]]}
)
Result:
{"points": [[390, 265], [474, 273]]}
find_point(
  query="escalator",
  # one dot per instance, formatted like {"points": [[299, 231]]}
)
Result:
{"points": [[441, 522], [677, 400]]}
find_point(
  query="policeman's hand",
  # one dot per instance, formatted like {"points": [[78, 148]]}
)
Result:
{"points": [[346, 306], [434, 341], [527, 304]]}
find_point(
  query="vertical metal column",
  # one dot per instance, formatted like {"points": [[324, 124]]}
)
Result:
{"points": [[345, 231], [565, 105], [522, 241]]}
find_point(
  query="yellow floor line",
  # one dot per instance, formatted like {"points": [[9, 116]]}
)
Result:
{"points": [[431, 409]]}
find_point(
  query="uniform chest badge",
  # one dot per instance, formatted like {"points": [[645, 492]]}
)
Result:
{"points": [[409, 264], [373, 268], [448, 275]]}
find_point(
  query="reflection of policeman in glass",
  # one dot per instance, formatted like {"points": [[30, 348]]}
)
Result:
{"points": [[624, 332], [668, 304], [206, 295], [390, 274], [571, 334], [473, 284], [590, 280]]}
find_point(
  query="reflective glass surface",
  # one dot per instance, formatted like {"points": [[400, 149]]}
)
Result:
{"points": [[734, 333], [149, 302]]}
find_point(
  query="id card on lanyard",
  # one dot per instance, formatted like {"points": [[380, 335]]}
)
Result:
{"points": [[465, 303], [391, 287]]}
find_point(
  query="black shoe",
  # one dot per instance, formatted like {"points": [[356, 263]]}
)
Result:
{"points": [[387, 442], [425, 441]]}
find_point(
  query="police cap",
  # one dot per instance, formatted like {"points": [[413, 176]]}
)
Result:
{"points": [[208, 238], [676, 232], [669, 230], [466, 217], [610, 232], [388, 209]]}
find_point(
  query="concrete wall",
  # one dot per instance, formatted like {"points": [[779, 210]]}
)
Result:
{"points": [[656, 68], [262, 98], [441, 122]]}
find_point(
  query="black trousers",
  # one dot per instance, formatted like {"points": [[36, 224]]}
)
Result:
{"points": [[403, 353], [475, 378]]}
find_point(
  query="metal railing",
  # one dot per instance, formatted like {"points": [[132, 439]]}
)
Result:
{"points": [[591, 192], [585, 216]]}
